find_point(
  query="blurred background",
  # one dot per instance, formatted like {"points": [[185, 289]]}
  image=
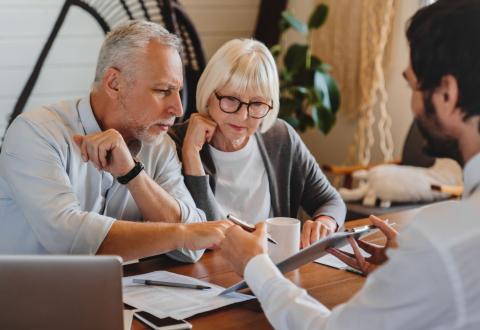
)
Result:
{"points": [[363, 42]]}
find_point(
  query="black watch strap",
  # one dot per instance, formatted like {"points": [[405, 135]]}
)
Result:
{"points": [[124, 179]]}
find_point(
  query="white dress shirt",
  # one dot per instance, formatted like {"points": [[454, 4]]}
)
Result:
{"points": [[242, 183], [52, 202], [431, 281]]}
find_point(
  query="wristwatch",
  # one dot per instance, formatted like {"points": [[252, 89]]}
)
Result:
{"points": [[124, 179]]}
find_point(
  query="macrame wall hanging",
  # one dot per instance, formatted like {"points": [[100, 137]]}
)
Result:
{"points": [[355, 41], [375, 26]]}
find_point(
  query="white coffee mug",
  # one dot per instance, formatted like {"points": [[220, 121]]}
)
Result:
{"points": [[286, 231]]}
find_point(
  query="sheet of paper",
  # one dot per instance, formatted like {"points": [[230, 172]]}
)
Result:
{"points": [[134, 261], [332, 261], [178, 303], [127, 319]]}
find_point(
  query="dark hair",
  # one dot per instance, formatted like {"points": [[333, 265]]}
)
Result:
{"points": [[444, 39]]}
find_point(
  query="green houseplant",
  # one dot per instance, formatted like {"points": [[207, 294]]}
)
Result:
{"points": [[309, 96]]}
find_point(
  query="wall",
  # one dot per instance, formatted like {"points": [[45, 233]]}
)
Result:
{"points": [[333, 148], [69, 68], [221, 20]]}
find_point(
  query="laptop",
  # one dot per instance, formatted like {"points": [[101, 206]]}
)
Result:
{"points": [[61, 292]]}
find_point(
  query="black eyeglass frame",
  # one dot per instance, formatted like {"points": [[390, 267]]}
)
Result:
{"points": [[240, 104]]}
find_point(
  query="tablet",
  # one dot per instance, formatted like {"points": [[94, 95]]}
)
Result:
{"points": [[313, 252]]}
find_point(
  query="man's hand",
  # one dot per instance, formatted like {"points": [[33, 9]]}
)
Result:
{"points": [[313, 230], [377, 252], [239, 246], [203, 235], [107, 151], [200, 131]]}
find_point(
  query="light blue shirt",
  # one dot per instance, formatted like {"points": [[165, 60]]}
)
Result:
{"points": [[52, 202]]}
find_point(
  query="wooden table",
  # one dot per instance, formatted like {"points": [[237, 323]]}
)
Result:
{"points": [[330, 286]]}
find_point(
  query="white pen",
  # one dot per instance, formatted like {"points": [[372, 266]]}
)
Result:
{"points": [[248, 227], [367, 227]]}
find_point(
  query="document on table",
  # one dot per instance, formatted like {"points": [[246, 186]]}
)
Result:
{"points": [[127, 319], [332, 261], [178, 303]]}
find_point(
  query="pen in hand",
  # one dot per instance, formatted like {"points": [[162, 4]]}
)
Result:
{"points": [[248, 227]]}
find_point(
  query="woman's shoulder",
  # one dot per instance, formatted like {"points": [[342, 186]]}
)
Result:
{"points": [[280, 132]]}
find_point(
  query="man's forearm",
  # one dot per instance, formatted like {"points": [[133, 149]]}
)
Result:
{"points": [[286, 306], [154, 202], [132, 240]]}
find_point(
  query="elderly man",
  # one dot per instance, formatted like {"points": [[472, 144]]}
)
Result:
{"points": [[430, 280], [74, 175]]}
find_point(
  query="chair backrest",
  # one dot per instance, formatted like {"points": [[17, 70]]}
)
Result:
{"points": [[108, 13], [413, 153]]}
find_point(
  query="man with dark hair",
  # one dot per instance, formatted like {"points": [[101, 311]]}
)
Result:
{"points": [[429, 278]]}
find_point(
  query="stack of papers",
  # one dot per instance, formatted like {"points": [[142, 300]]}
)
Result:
{"points": [[178, 303]]}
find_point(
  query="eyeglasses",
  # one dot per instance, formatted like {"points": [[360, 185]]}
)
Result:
{"points": [[231, 104]]}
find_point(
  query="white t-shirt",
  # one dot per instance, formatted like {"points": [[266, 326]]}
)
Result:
{"points": [[242, 184]]}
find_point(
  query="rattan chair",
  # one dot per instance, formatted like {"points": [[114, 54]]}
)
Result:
{"points": [[108, 13]]}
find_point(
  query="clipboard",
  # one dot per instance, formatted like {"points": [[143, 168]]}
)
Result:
{"points": [[313, 252]]}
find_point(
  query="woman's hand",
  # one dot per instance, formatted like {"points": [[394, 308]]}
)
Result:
{"points": [[313, 230], [200, 131]]}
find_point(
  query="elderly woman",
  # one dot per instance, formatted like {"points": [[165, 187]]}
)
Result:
{"points": [[239, 158]]}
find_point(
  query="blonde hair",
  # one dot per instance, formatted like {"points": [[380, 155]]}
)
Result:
{"points": [[241, 64]]}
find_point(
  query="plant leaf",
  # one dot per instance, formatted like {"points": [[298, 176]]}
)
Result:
{"points": [[330, 96], [288, 110], [300, 90], [318, 17], [290, 21], [275, 50], [316, 63], [294, 59], [294, 122], [305, 121], [315, 117], [326, 121]]}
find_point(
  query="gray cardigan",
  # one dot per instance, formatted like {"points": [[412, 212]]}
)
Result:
{"points": [[294, 177]]}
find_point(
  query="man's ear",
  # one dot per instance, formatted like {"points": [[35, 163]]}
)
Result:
{"points": [[446, 95], [111, 81]]}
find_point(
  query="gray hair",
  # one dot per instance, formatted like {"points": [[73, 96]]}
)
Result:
{"points": [[125, 41]]}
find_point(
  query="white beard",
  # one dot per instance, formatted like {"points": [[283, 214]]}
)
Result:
{"points": [[147, 138]]}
